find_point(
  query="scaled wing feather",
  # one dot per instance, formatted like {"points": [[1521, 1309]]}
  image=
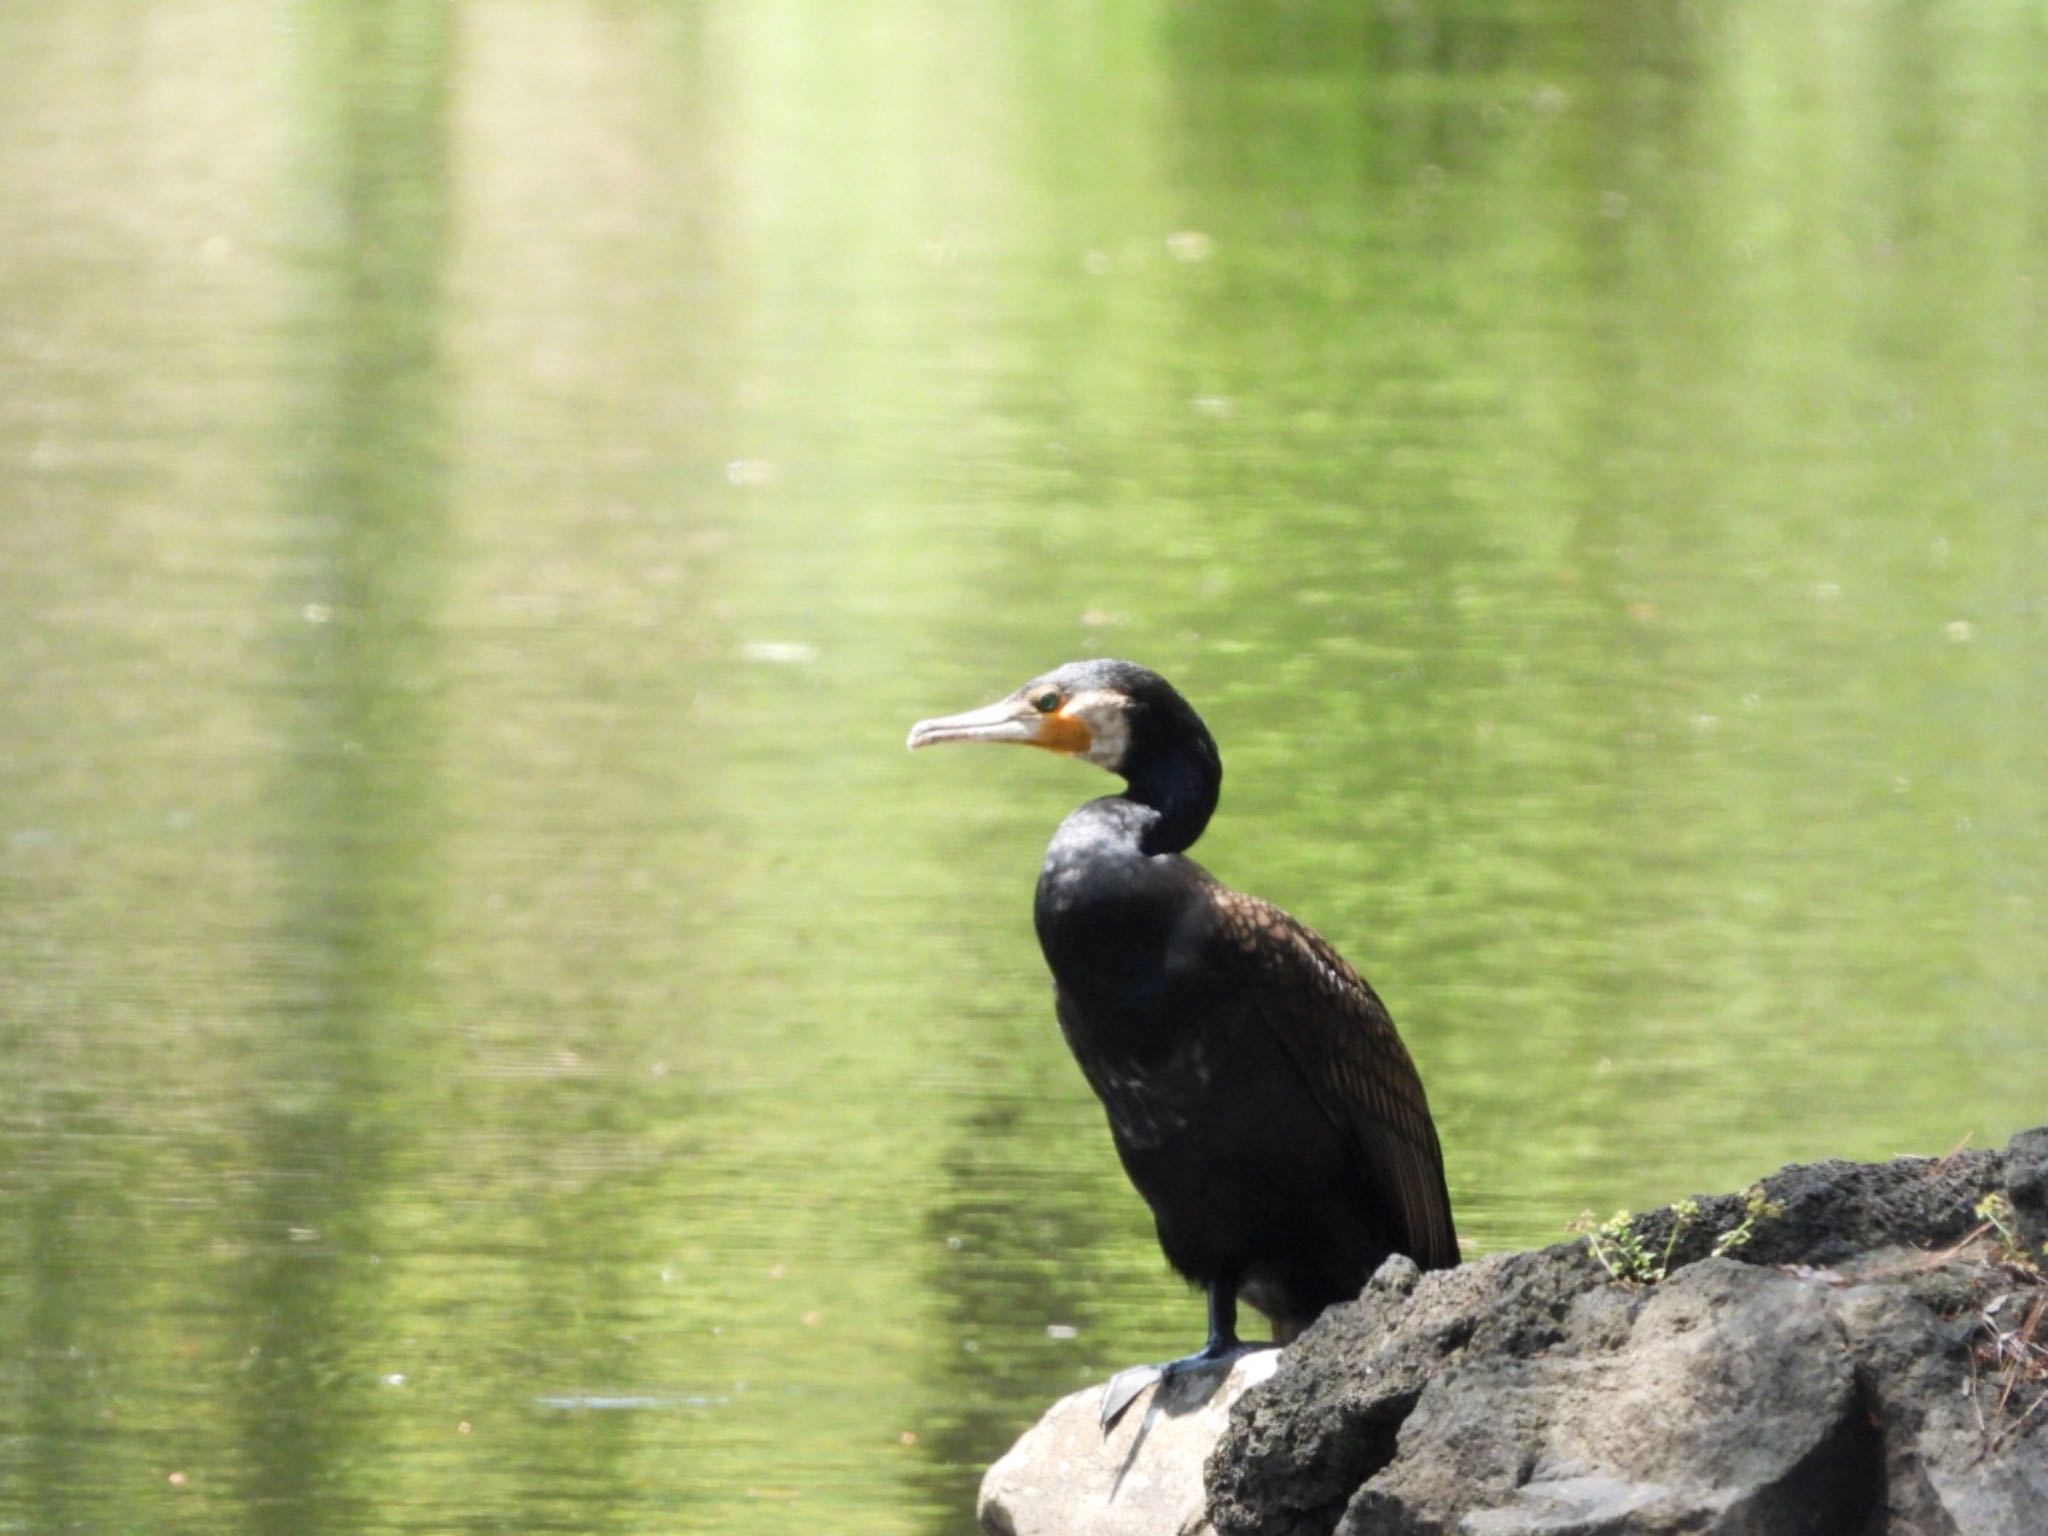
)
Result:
{"points": [[1340, 1036]]}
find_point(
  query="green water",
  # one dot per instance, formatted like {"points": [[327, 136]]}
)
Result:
{"points": [[498, 1034]]}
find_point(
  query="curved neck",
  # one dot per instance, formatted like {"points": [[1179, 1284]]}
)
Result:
{"points": [[1181, 784]]}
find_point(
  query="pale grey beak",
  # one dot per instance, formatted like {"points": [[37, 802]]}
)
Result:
{"points": [[1011, 720]]}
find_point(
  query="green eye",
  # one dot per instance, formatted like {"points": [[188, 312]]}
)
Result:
{"points": [[1047, 701]]}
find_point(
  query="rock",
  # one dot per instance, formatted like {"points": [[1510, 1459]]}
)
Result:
{"points": [[1955, 1462], [1873, 1358], [1726, 1405], [2026, 1182], [1301, 1446], [1143, 1478]]}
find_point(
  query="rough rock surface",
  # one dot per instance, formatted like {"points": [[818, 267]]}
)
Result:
{"points": [[1871, 1358]]}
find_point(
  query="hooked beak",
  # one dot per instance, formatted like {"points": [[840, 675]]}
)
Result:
{"points": [[1013, 719]]}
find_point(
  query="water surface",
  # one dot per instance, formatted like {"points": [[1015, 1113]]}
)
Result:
{"points": [[499, 1035]]}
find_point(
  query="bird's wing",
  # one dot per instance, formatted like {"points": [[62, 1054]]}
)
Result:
{"points": [[1339, 1034]]}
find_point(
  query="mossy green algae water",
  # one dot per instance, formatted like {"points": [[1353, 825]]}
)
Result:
{"points": [[501, 1037]]}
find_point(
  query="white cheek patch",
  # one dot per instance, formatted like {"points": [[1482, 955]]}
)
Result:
{"points": [[1109, 726]]}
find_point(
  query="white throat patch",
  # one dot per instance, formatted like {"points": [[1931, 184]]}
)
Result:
{"points": [[1108, 720]]}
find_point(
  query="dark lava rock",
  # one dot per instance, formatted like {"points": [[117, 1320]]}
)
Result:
{"points": [[1871, 1358], [1727, 1404]]}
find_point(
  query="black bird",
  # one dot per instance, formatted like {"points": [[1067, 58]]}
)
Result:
{"points": [[1257, 1093]]}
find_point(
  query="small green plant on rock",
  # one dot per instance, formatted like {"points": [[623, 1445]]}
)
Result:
{"points": [[1756, 1207], [1996, 1212], [1621, 1251]]}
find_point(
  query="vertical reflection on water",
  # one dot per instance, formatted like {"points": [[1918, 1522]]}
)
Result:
{"points": [[57, 1418], [366, 501], [1014, 1254]]}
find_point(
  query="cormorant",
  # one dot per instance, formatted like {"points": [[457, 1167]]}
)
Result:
{"points": [[1257, 1093]]}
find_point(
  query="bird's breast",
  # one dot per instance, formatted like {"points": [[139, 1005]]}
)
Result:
{"points": [[1155, 1075], [1122, 943]]}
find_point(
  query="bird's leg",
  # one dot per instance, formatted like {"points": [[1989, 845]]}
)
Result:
{"points": [[1222, 1344], [1222, 1323]]}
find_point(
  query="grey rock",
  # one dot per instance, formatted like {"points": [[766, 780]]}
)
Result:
{"points": [[1727, 1406], [1872, 1362], [1303, 1444], [1957, 1457], [1144, 1478], [2026, 1184]]}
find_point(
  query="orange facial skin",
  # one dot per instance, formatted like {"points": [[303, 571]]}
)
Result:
{"points": [[1062, 732]]}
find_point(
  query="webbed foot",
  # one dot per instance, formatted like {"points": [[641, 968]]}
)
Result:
{"points": [[1126, 1385]]}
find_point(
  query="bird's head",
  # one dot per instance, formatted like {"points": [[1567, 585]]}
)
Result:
{"points": [[1109, 713], [1116, 715]]}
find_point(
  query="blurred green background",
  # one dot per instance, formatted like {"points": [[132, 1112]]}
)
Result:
{"points": [[498, 1034]]}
